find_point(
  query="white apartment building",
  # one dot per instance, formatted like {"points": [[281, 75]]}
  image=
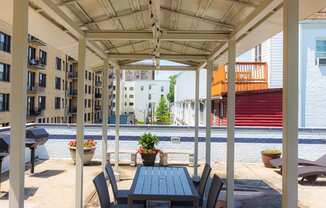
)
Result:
{"points": [[141, 98], [184, 98]]}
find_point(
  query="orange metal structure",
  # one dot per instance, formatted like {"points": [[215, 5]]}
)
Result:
{"points": [[249, 76]]}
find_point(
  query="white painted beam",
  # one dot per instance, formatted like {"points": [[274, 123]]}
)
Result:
{"points": [[196, 124], [162, 68], [166, 35], [117, 117], [210, 69], [18, 99], [80, 124], [105, 109], [290, 103], [230, 123], [162, 56]]}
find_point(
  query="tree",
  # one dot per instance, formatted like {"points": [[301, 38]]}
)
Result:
{"points": [[162, 111], [170, 95]]}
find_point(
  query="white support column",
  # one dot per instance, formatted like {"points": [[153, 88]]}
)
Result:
{"points": [[117, 118], [18, 101], [290, 103], [210, 69], [80, 124], [196, 125], [230, 123], [105, 114]]}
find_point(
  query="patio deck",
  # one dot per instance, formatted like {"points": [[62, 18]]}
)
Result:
{"points": [[53, 185]]}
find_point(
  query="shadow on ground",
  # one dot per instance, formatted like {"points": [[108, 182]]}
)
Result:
{"points": [[47, 173], [29, 192]]}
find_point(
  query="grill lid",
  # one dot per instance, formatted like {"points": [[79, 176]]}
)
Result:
{"points": [[36, 133]]}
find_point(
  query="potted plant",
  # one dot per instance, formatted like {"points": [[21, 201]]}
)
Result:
{"points": [[147, 148], [268, 154], [89, 150]]}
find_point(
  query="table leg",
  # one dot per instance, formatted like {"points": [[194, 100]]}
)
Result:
{"points": [[32, 159], [130, 202]]}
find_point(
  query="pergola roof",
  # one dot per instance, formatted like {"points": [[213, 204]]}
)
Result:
{"points": [[125, 31]]}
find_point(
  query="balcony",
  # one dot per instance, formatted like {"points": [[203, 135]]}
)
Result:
{"points": [[98, 83], [72, 110], [35, 41], [35, 89], [249, 76], [72, 75], [72, 93], [98, 107], [35, 112], [36, 64], [98, 95]]}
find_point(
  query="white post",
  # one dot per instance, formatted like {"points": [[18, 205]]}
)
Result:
{"points": [[80, 123], [18, 103], [290, 103], [208, 110], [117, 118], [105, 108], [196, 124], [230, 123]]}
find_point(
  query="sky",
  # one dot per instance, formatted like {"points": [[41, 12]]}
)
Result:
{"points": [[162, 75]]}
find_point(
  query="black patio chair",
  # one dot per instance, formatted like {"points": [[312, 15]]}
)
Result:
{"points": [[103, 193], [120, 196], [200, 186], [214, 191], [213, 194]]}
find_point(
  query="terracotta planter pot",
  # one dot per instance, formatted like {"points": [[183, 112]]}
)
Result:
{"points": [[266, 158], [88, 154], [148, 158]]}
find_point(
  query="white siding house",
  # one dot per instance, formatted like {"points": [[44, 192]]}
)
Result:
{"points": [[312, 82], [184, 103]]}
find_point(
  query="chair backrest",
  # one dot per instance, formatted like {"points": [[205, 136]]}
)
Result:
{"points": [[203, 180], [102, 190], [322, 160], [214, 191], [113, 181]]}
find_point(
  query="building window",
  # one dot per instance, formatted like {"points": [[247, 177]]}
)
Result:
{"points": [[321, 49], [89, 90], [141, 88], [149, 96], [58, 83], [149, 87], [31, 54], [89, 103], [131, 96], [131, 104], [162, 89], [90, 75], [57, 102], [43, 57], [86, 89], [5, 42], [258, 53], [4, 102], [42, 80], [4, 72], [58, 63], [41, 102], [131, 88]]}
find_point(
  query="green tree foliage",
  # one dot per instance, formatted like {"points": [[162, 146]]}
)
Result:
{"points": [[162, 111], [170, 95]]}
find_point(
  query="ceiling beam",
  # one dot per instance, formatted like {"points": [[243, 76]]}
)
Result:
{"points": [[151, 67], [203, 19], [154, 7], [120, 15], [167, 35], [244, 3], [189, 57]]}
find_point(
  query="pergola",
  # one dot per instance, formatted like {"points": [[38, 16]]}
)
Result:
{"points": [[199, 34]]}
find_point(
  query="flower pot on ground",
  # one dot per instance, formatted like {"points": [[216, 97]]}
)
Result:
{"points": [[269, 154], [147, 148], [89, 150]]}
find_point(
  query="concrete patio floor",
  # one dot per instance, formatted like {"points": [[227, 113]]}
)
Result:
{"points": [[52, 185]]}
